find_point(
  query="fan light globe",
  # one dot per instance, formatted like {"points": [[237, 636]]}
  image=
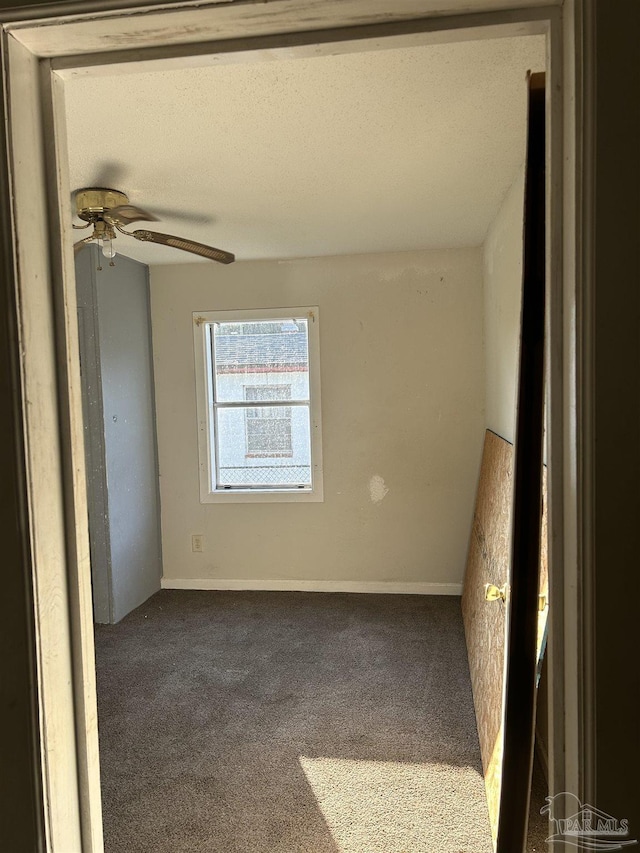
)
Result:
{"points": [[108, 249]]}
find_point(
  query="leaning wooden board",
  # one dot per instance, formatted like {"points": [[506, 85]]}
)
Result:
{"points": [[488, 562], [484, 622]]}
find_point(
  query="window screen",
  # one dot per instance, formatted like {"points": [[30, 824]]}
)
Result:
{"points": [[261, 404]]}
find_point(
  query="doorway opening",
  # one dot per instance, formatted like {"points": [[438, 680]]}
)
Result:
{"points": [[63, 182], [326, 215]]}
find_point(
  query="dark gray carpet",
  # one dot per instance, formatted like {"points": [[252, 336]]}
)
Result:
{"points": [[539, 829], [279, 722]]}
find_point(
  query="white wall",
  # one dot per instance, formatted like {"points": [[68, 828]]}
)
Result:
{"points": [[502, 264], [403, 417]]}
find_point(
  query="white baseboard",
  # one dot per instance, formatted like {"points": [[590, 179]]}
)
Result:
{"points": [[391, 587]]}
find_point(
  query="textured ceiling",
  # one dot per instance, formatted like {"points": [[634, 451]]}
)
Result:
{"points": [[390, 150]]}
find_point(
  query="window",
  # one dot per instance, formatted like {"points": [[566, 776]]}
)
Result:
{"points": [[258, 397]]}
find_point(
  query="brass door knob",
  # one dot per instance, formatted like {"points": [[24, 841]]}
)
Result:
{"points": [[495, 593]]}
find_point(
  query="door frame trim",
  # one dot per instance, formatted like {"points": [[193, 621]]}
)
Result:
{"points": [[48, 343]]}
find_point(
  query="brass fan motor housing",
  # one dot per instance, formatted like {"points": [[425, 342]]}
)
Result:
{"points": [[93, 202]]}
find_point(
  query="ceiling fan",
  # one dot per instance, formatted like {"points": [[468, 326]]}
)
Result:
{"points": [[108, 211]]}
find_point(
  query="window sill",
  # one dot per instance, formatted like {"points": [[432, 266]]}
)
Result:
{"points": [[234, 496]]}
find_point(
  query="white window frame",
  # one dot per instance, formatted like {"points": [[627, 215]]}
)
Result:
{"points": [[202, 322]]}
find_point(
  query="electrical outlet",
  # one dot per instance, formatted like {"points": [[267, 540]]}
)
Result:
{"points": [[197, 542]]}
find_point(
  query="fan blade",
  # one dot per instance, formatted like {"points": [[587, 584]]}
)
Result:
{"points": [[124, 214], [190, 216], [186, 245], [77, 246]]}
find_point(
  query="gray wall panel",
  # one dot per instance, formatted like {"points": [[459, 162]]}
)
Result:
{"points": [[120, 416], [94, 436]]}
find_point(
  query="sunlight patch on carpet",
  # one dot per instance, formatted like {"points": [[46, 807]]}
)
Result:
{"points": [[393, 807]]}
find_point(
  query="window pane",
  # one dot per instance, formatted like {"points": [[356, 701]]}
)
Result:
{"points": [[262, 355], [266, 393], [267, 438], [270, 449], [268, 429]]}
